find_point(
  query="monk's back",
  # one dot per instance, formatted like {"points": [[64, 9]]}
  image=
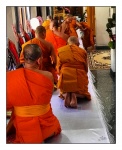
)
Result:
{"points": [[33, 83], [44, 45]]}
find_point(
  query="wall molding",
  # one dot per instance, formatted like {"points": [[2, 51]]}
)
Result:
{"points": [[102, 47], [112, 74]]}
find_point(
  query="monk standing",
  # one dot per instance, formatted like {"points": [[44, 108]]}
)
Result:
{"points": [[65, 28], [29, 91], [72, 67], [74, 24], [49, 56], [88, 39]]}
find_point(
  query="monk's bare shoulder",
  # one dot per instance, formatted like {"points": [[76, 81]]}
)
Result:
{"points": [[47, 74]]}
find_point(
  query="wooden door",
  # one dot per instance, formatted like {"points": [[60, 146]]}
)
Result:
{"points": [[91, 17]]}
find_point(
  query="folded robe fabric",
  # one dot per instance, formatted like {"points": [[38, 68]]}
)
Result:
{"points": [[72, 63], [46, 62], [38, 89], [72, 26], [56, 40]]}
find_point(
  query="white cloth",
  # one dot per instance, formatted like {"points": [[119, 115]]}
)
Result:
{"points": [[86, 124]]}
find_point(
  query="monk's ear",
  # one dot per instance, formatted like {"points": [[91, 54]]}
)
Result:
{"points": [[35, 34], [44, 35], [39, 61]]}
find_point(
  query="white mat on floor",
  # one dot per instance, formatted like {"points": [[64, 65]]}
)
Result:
{"points": [[86, 124]]}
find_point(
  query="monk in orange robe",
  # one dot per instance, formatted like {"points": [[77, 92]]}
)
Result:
{"points": [[49, 56], [72, 67], [88, 39], [73, 25], [58, 39], [29, 91], [46, 23], [65, 28]]}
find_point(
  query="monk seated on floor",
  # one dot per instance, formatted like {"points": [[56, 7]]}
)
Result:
{"points": [[49, 60], [29, 91], [72, 67]]}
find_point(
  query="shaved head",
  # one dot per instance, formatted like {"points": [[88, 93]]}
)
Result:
{"points": [[73, 40], [31, 52], [40, 31]]}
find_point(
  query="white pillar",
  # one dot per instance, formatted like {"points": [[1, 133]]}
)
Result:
{"points": [[33, 12], [44, 16], [113, 60]]}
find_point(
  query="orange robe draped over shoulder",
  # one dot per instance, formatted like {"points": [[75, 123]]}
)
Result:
{"points": [[46, 24], [55, 40], [72, 66], [46, 62], [72, 26], [28, 88], [88, 39]]}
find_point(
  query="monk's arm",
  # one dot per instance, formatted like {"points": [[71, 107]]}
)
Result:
{"points": [[53, 55], [58, 67], [50, 76], [63, 27], [78, 24]]}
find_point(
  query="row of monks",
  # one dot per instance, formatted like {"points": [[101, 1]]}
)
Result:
{"points": [[56, 34], [53, 51]]}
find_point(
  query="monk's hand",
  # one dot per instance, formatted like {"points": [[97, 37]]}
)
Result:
{"points": [[21, 29], [15, 33]]}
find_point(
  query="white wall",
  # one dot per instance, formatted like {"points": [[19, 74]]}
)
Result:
{"points": [[101, 15]]}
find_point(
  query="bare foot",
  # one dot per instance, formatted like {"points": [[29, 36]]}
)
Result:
{"points": [[67, 100], [73, 102]]}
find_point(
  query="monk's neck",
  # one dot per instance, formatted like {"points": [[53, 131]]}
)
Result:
{"points": [[31, 66], [55, 31], [40, 38]]}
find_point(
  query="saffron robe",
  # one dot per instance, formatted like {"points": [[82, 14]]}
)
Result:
{"points": [[46, 24], [72, 66], [72, 26], [88, 39], [56, 40], [46, 62], [29, 88]]}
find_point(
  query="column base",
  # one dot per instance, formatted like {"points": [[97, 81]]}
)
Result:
{"points": [[112, 74]]}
